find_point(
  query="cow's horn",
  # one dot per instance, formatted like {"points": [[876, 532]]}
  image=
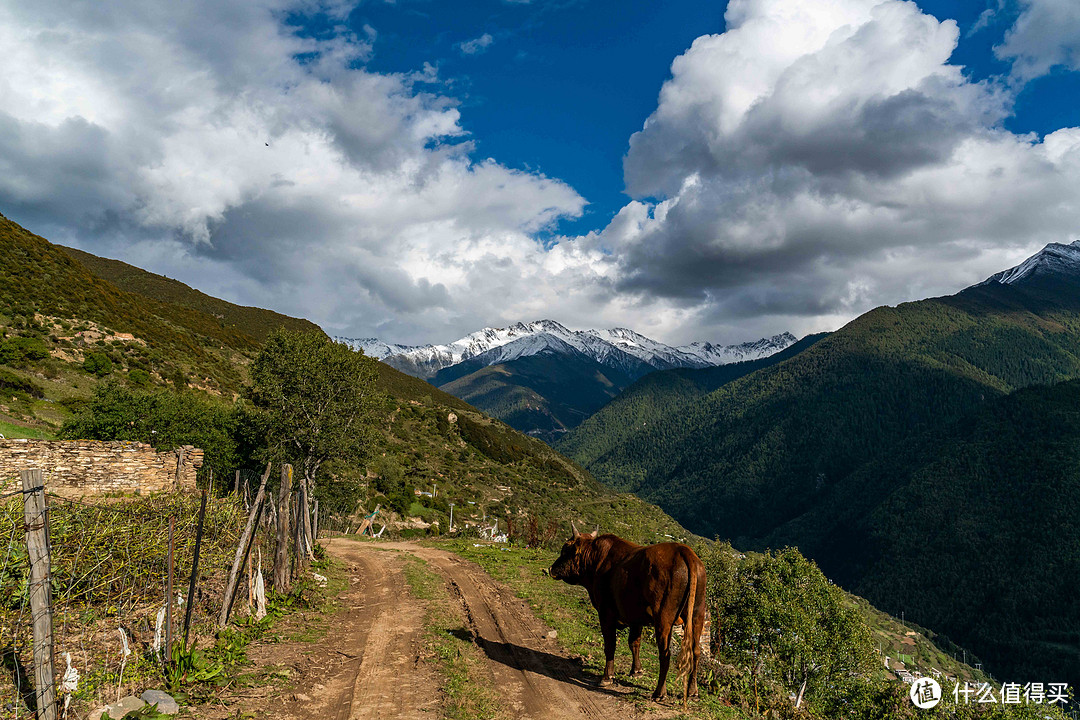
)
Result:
{"points": [[574, 528], [596, 532]]}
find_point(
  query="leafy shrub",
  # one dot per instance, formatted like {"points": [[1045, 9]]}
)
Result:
{"points": [[164, 418], [20, 350], [138, 378], [97, 363]]}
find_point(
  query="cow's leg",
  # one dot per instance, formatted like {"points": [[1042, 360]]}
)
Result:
{"points": [[635, 646], [663, 644], [609, 629]]}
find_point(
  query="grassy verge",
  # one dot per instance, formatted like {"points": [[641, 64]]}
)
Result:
{"points": [[10, 430], [566, 608], [467, 687]]}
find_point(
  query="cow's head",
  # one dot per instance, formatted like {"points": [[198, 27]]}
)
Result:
{"points": [[573, 563]]}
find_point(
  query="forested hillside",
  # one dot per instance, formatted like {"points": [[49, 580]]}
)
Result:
{"points": [[544, 395], [765, 459], [657, 395]]}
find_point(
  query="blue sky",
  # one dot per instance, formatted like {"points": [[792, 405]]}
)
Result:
{"points": [[561, 86], [416, 170]]}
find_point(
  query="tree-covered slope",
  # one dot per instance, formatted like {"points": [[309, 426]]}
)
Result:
{"points": [[776, 456], [543, 395], [758, 451], [971, 529], [253, 321], [659, 395]]}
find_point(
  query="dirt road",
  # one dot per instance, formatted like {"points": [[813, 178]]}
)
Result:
{"points": [[369, 664]]}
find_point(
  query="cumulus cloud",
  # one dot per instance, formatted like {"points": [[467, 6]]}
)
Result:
{"points": [[814, 160], [476, 45], [818, 159], [1046, 35], [214, 142]]}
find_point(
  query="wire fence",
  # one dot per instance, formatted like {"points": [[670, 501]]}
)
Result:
{"points": [[105, 581]]}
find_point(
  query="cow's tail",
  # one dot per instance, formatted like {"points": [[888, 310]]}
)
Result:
{"points": [[684, 663]]}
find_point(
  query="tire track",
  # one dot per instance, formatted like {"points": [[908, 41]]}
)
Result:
{"points": [[537, 679]]}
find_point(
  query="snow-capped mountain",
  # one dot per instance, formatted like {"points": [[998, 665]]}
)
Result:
{"points": [[710, 354], [620, 348], [1054, 260], [376, 348]]}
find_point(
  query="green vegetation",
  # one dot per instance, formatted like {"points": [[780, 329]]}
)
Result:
{"points": [[543, 395], [165, 419], [314, 402], [776, 621], [255, 322], [9, 430], [67, 304], [810, 451]]}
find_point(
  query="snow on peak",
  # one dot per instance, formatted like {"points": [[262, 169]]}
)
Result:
{"points": [[374, 347], [723, 354], [617, 347], [1054, 259]]}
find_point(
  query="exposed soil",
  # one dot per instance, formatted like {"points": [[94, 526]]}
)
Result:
{"points": [[369, 665]]}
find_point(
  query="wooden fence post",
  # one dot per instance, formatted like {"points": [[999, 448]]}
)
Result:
{"points": [[281, 556], [37, 546], [169, 595], [236, 484], [315, 524], [194, 569], [242, 551]]}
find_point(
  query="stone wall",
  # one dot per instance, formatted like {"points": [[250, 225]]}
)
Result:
{"points": [[76, 468]]}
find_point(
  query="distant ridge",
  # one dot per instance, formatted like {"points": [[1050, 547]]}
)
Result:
{"points": [[611, 348], [253, 321]]}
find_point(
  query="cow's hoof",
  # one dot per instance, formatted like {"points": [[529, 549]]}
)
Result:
{"points": [[636, 673], [605, 682], [658, 696]]}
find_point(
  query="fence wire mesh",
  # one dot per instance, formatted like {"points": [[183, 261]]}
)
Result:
{"points": [[108, 577]]}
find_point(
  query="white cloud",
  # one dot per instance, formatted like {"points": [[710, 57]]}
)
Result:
{"points": [[813, 161], [1045, 35], [476, 45], [211, 142], [818, 159]]}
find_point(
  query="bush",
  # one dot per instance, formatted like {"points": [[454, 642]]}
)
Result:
{"points": [[97, 363], [18, 351], [778, 615], [138, 378], [164, 418]]}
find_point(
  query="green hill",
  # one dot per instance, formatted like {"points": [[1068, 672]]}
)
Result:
{"points": [[971, 530], [543, 395], [764, 459], [252, 321], [657, 395]]}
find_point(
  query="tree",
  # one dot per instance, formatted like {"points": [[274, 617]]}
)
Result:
{"points": [[163, 418], [780, 616], [314, 400]]}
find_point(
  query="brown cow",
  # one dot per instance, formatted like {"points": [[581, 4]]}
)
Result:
{"points": [[633, 586]]}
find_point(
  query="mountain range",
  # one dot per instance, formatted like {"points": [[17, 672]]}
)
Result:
{"points": [[608, 347], [542, 378], [924, 455]]}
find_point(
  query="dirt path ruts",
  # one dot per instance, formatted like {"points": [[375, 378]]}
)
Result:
{"points": [[369, 664], [367, 667], [535, 677]]}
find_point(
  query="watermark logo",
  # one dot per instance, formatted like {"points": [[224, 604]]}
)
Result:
{"points": [[925, 693]]}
